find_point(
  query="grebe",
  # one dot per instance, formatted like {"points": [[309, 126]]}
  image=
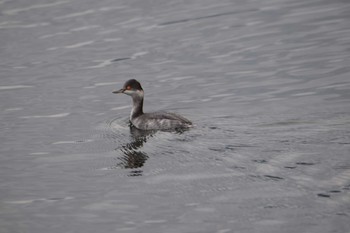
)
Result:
{"points": [[150, 121]]}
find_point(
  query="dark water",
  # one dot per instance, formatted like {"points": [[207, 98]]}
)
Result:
{"points": [[267, 84]]}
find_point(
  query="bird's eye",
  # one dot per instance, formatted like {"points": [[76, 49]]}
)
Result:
{"points": [[128, 88]]}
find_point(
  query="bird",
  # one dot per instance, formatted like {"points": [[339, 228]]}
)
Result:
{"points": [[153, 120]]}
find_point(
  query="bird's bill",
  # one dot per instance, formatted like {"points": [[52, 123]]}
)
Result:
{"points": [[119, 91]]}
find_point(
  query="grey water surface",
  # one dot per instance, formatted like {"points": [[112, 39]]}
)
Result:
{"points": [[266, 83]]}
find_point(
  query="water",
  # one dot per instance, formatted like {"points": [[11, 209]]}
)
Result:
{"points": [[265, 82]]}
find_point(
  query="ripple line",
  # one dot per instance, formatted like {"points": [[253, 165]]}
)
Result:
{"points": [[203, 17], [18, 10]]}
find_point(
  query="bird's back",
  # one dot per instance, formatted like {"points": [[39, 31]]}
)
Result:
{"points": [[160, 121]]}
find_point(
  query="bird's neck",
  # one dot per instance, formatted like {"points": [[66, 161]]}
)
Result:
{"points": [[137, 107]]}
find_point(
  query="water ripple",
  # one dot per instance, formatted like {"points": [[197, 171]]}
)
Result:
{"points": [[39, 6]]}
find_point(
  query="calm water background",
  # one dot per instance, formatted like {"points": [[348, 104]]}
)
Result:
{"points": [[267, 84]]}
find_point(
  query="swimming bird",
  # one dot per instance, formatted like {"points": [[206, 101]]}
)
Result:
{"points": [[154, 120]]}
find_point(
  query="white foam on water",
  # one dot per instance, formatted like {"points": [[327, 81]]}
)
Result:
{"points": [[46, 116], [106, 84], [100, 65], [189, 177], [71, 142], [63, 142], [221, 95], [81, 44], [304, 94], [39, 199], [102, 84], [14, 87], [39, 153], [52, 48], [12, 109], [75, 14], [182, 78], [24, 25], [139, 54], [54, 34], [111, 39], [84, 28], [119, 108], [18, 10]]}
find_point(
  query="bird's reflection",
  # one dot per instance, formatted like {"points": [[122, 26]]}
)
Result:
{"points": [[133, 157]]}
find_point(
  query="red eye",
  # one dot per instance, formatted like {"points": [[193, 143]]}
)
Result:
{"points": [[128, 88]]}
